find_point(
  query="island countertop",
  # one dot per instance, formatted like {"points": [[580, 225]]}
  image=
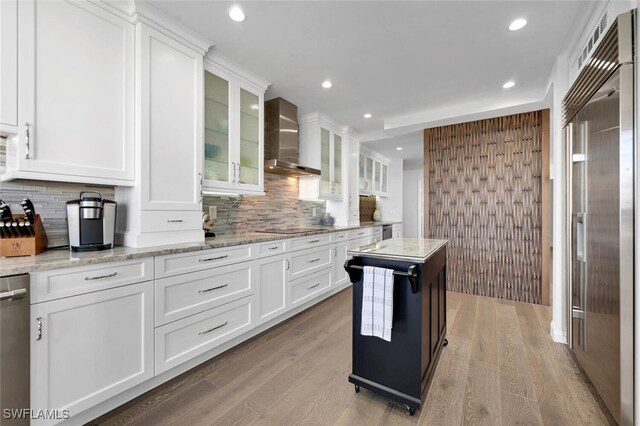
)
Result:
{"points": [[403, 249]]}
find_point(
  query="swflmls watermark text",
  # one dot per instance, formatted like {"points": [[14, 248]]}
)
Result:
{"points": [[28, 413]]}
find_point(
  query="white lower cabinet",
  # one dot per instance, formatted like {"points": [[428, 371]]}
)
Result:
{"points": [[306, 289], [340, 276], [86, 349], [187, 338], [271, 274], [183, 295], [308, 261]]}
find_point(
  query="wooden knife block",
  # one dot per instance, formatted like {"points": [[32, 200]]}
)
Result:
{"points": [[25, 246]]}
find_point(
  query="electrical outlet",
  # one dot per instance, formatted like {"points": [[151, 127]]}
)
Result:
{"points": [[314, 212], [213, 212]]}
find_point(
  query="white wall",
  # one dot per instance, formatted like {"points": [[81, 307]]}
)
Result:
{"points": [[410, 220], [391, 207]]}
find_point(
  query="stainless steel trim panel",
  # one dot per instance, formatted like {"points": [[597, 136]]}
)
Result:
{"points": [[625, 57]]}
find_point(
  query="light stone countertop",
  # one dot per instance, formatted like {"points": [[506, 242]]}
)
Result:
{"points": [[63, 258], [403, 249]]}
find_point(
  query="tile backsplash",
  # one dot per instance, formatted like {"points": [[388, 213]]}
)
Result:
{"points": [[49, 200], [280, 207]]}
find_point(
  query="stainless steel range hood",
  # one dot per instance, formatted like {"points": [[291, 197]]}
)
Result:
{"points": [[281, 143]]}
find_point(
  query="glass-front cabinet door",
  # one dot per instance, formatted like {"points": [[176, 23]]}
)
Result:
{"points": [[325, 161], [361, 183], [250, 162], [385, 179], [336, 188], [233, 134], [368, 171], [217, 147], [377, 173]]}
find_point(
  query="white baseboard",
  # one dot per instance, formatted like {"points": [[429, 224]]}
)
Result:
{"points": [[558, 336]]}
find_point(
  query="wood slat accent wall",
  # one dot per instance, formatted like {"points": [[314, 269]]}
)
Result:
{"points": [[485, 195]]}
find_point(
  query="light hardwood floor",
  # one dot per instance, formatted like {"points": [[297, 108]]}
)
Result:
{"points": [[500, 367]]}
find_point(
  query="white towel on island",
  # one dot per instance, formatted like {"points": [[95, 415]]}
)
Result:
{"points": [[377, 302]]}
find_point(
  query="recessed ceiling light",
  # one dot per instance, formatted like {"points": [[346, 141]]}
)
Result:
{"points": [[399, 148], [237, 14], [518, 24], [508, 85], [367, 115], [327, 84]]}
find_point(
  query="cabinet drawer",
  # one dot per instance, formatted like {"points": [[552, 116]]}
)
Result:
{"points": [[307, 288], [59, 283], [174, 264], [270, 248], [360, 233], [359, 243], [188, 294], [159, 221], [396, 227], [340, 236], [307, 242], [187, 338], [308, 261]]}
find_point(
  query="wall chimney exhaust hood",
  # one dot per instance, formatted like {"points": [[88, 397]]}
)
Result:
{"points": [[281, 142]]}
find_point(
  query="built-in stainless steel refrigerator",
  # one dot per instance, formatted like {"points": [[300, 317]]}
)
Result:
{"points": [[599, 129]]}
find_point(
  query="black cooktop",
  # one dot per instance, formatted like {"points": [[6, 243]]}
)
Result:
{"points": [[288, 230]]}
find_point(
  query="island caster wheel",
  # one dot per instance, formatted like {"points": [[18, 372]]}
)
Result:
{"points": [[445, 343], [357, 388], [410, 411]]}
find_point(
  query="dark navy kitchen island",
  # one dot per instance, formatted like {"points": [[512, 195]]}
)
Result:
{"points": [[401, 369]]}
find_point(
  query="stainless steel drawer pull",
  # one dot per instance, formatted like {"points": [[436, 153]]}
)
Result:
{"points": [[212, 329], [213, 258], [174, 221], [313, 286], [13, 294], [100, 277], [313, 241], [313, 260], [361, 233], [39, 321], [213, 288], [273, 248]]}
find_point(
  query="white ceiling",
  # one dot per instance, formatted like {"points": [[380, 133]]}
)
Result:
{"points": [[389, 58]]}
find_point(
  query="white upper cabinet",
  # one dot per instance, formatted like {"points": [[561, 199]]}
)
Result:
{"points": [[165, 206], [8, 66], [373, 174], [171, 123], [321, 147], [233, 128], [75, 92]]}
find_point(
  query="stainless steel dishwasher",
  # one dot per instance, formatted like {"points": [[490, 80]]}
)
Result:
{"points": [[14, 349]]}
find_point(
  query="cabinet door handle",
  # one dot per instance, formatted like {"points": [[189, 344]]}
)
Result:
{"points": [[174, 221], [288, 265], [212, 329], [313, 286], [100, 277], [234, 171], [27, 145], [39, 322], [239, 173], [213, 258], [313, 241], [212, 289], [313, 260], [335, 252]]}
